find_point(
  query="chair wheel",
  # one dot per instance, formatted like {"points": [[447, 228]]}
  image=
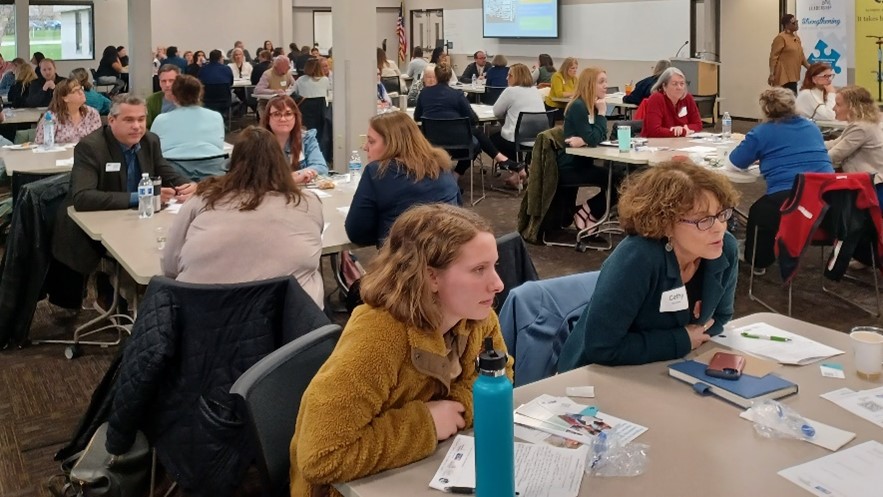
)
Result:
{"points": [[581, 247], [73, 351]]}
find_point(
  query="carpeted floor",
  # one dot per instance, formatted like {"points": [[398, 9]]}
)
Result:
{"points": [[43, 395]]}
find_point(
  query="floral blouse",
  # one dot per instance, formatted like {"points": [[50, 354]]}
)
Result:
{"points": [[70, 132]]}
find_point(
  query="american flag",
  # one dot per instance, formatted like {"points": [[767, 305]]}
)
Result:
{"points": [[400, 31]]}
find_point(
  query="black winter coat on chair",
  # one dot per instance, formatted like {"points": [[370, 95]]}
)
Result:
{"points": [[189, 345]]}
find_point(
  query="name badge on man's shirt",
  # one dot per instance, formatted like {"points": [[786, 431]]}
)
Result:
{"points": [[682, 112], [674, 300], [112, 167]]}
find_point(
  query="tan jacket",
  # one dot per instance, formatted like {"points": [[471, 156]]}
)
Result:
{"points": [[365, 410], [859, 149], [786, 58]]}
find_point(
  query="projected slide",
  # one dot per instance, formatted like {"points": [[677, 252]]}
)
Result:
{"points": [[520, 18]]}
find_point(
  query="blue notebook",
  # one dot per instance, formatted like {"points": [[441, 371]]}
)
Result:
{"points": [[743, 392]]}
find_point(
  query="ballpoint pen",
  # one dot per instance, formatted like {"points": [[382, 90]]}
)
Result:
{"points": [[774, 338], [464, 490]]}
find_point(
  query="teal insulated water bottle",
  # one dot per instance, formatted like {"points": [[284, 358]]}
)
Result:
{"points": [[494, 425]]}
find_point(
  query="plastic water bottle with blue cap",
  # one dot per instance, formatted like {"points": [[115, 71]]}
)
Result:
{"points": [[355, 167], [726, 126], [773, 419], [48, 130], [145, 197]]}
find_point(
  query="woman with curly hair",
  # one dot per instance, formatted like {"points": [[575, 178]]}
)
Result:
{"points": [[668, 287]]}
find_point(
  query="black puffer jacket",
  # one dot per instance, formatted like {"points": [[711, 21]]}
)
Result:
{"points": [[189, 345]]}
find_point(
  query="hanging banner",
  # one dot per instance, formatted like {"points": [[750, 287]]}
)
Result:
{"points": [[824, 35], [869, 46]]}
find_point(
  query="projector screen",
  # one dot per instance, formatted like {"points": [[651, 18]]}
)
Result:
{"points": [[520, 18]]}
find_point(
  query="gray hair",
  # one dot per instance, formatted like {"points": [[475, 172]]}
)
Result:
{"points": [[280, 58], [124, 99], [169, 68], [661, 65], [665, 77], [237, 50], [429, 68]]}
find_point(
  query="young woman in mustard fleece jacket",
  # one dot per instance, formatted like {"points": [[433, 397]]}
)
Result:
{"points": [[400, 379]]}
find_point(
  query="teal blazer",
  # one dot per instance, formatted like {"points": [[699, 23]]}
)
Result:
{"points": [[622, 323]]}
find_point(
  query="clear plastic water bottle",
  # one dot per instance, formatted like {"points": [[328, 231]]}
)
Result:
{"points": [[494, 425], [726, 126], [48, 130], [145, 197], [474, 80], [355, 166]]}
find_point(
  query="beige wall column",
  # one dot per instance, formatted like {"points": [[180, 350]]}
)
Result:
{"points": [[22, 30], [355, 74], [140, 48]]}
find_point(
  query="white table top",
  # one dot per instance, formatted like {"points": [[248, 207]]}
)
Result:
{"points": [[242, 83], [28, 161], [468, 87], [698, 445], [668, 148], [612, 99], [23, 116], [831, 124], [132, 241], [485, 113]]}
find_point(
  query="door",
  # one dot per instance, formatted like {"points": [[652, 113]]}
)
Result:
{"points": [[427, 29]]}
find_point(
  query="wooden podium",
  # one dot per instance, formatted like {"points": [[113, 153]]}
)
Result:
{"points": [[702, 75]]}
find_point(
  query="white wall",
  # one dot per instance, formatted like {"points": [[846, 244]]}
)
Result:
{"points": [[110, 29], [745, 59]]}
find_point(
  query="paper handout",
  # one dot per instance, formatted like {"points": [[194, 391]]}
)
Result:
{"points": [[854, 472], [798, 350]]}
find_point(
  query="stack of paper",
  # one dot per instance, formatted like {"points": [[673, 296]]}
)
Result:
{"points": [[562, 417], [793, 349], [540, 470], [855, 472], [866, 404]]}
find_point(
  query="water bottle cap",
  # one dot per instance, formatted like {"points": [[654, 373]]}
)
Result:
{"points": [[491, 361]]}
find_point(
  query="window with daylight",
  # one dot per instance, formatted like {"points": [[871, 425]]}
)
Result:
{"points": [[62, 31]]}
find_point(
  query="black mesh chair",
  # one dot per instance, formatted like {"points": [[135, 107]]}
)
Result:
{"points": [[705, 103], [491, 94], [219, 98], [527, 127], [392, 84], [455, 136]]}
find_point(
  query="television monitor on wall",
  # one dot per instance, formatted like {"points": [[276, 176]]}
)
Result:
{"points": [[520, 18]]}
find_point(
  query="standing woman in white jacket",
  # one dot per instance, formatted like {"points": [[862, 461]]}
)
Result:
{"points": [[816, 97], [520, 96]]}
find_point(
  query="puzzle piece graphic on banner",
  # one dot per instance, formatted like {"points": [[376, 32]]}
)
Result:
{"points": [[827, 55]]}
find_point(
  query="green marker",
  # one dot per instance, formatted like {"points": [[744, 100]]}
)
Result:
{"points": [[774, 338]]}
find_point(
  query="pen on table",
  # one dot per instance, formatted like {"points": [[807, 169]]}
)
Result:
{"points": [[774, 338], [464, 490]]}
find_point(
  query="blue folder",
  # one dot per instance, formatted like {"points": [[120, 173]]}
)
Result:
{"points": [[743, 392]]}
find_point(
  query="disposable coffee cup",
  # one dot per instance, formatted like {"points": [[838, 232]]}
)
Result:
{"points": [[867, 347], [403, 102]]}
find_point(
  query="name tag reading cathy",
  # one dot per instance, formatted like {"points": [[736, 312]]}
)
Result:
{"points": [[112, 167], [674, 300], [682, 112]]}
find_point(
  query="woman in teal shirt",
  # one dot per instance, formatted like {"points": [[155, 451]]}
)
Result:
{"points": [[669, 286], [93, 99]]}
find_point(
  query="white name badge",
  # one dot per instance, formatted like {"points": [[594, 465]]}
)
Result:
{"points": [[674, 300], [112, 167], [284, 83], [682, 112]]}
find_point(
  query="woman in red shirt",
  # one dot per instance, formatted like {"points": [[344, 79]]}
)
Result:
{"points": [[670, 110]]}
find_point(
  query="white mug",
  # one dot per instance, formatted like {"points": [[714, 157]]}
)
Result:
{"points": [[867, 345]]}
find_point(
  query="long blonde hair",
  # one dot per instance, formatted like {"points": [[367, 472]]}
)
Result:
{"points": [[406, 145], [425, 236], [585, 88], [25, 74], [861, 104], [565, 67]]}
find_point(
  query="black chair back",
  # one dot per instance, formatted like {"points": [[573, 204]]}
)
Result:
{"points": [[453, 135], [272, 391], [315, 116], [491, 94], [637, 127], [528, 126], [391, 83], [705, 104]]}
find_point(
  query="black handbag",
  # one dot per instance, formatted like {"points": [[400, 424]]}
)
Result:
{"points": [[96, 473]]}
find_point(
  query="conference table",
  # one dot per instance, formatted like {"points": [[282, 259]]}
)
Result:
{"points": [[57, 161], [698, 445], [132, 241], [664, 149], [485, 113], [23, 115]]}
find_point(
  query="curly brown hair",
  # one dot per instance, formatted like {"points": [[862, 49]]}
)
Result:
{"points": [[423, 237], [860, 103], [651, 202]]}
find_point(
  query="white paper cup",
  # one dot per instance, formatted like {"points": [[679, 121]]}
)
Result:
{"points": [[867, 345]]}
